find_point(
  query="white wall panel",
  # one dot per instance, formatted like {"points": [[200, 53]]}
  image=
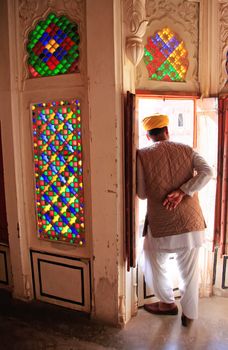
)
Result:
{"points": [[61, 281]]}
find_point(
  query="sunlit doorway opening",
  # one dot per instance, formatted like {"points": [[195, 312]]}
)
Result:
{"points": [[193, 123]]}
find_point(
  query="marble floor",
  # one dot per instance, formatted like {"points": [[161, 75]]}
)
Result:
{"points": [[38, 326]]}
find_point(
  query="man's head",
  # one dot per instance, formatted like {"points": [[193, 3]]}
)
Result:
{"points": [[156, 126]]}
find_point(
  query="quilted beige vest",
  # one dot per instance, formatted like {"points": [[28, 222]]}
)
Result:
{"points": [[168, 165]]}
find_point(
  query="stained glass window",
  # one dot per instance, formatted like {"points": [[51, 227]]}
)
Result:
{"points": [[58, 171], [53, 47], [165, 56]]}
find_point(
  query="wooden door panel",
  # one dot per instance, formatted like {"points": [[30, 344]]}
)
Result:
{"points": [[3, 217]]}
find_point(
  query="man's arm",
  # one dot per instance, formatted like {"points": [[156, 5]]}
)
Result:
{"points": [[195, 184], [204, 174]]}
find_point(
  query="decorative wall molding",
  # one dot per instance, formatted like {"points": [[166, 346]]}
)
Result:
{"points": [[75, 7], [183, 12], [223, 17], [51, 3], [27, 10], [30, 9], [183, 18], [136, 24]]}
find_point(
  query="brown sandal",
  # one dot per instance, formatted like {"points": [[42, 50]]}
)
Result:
{"points": [[155, 309]]}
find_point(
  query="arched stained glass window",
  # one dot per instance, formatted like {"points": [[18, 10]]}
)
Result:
{"points": [[59, 171], [53, 47], [165, 56]]}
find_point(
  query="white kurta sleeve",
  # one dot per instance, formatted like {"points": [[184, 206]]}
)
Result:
{"points": [[204, 174], [140, 180]]}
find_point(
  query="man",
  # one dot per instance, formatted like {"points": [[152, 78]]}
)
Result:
{"points": [[174, 222]]}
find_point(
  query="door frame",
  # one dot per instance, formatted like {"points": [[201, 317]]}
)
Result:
{"points": [[157, 95]]}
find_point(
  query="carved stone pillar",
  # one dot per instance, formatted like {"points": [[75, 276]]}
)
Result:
{"points": [[136, 23], [209, 60]]}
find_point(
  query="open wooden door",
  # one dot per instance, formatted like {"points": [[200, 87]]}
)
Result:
{"points": [[220, 239], [130, 180], [5, 273], [3, 218], [220, 227]]}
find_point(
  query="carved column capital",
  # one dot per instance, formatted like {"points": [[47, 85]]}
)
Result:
{"points": [[135, 24]]}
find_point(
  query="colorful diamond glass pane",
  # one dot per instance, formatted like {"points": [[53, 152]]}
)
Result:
{"points": [[53, 47], [165, 56], [58, 170]]}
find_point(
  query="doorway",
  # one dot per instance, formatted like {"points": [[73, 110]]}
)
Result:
{"points": [[194, 123]]}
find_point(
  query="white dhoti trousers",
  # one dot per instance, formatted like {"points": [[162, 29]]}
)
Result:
{"points": [[157, 277]]}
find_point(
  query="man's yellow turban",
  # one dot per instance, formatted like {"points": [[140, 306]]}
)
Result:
{"points": [[155, 121]]}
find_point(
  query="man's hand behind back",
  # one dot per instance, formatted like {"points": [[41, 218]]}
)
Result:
{"points": [[173, 199]]}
